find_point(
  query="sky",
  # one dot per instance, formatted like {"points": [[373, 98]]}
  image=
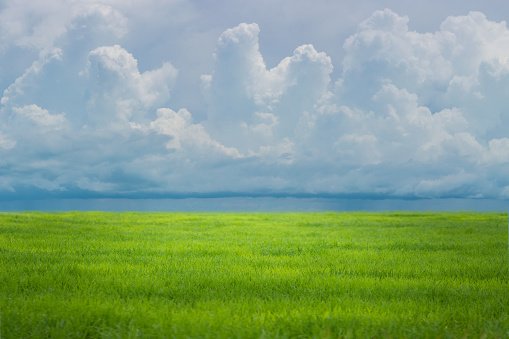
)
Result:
{"points": [[192, 98]]}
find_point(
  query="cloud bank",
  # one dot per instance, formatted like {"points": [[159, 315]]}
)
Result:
{"points": [[412, 115]]}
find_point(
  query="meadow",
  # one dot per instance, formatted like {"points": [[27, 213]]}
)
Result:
{"points": [[254, 275]]}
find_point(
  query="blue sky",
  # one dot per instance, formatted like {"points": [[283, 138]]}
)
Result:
{"points": [[384, 99]]}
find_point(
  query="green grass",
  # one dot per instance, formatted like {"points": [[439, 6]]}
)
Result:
{"points": [[275, 275]]}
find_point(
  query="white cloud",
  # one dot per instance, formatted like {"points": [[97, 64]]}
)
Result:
{"points": [[498, 151], [5, 143], [448, 68], [187, 136], [40, 117], [444, 185], [436, 99], [120, 93], [361, 149], [28, 80], [413, 114], [102, 18], [38, 24], [242, 93]]}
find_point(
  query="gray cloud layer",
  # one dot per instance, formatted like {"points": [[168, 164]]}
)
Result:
{"points": [[409, 115]]}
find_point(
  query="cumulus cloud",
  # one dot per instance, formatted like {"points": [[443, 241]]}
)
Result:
{"points": [[411, 115], [27, 82], [251, 106], [38, 24], [464, 64], [431, 99], [119, 93], [187, 136], [39, 117]]}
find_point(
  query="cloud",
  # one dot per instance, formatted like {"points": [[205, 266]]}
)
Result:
{"points": [[498, 151], [411, 114], [445, 185], [187, 136], [245, 98], [83, 118], [28, 81], [461, 65], [39, 24], [433, 99], [40, 117], [120, 93], [5, 143]]}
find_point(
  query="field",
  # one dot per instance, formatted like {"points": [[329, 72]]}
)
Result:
{"points": [[255, 275]]}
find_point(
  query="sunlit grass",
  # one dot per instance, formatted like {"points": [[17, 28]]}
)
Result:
{"points": [[285, 275]]}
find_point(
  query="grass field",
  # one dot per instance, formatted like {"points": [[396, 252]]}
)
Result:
{"points": [[276, 275]]}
